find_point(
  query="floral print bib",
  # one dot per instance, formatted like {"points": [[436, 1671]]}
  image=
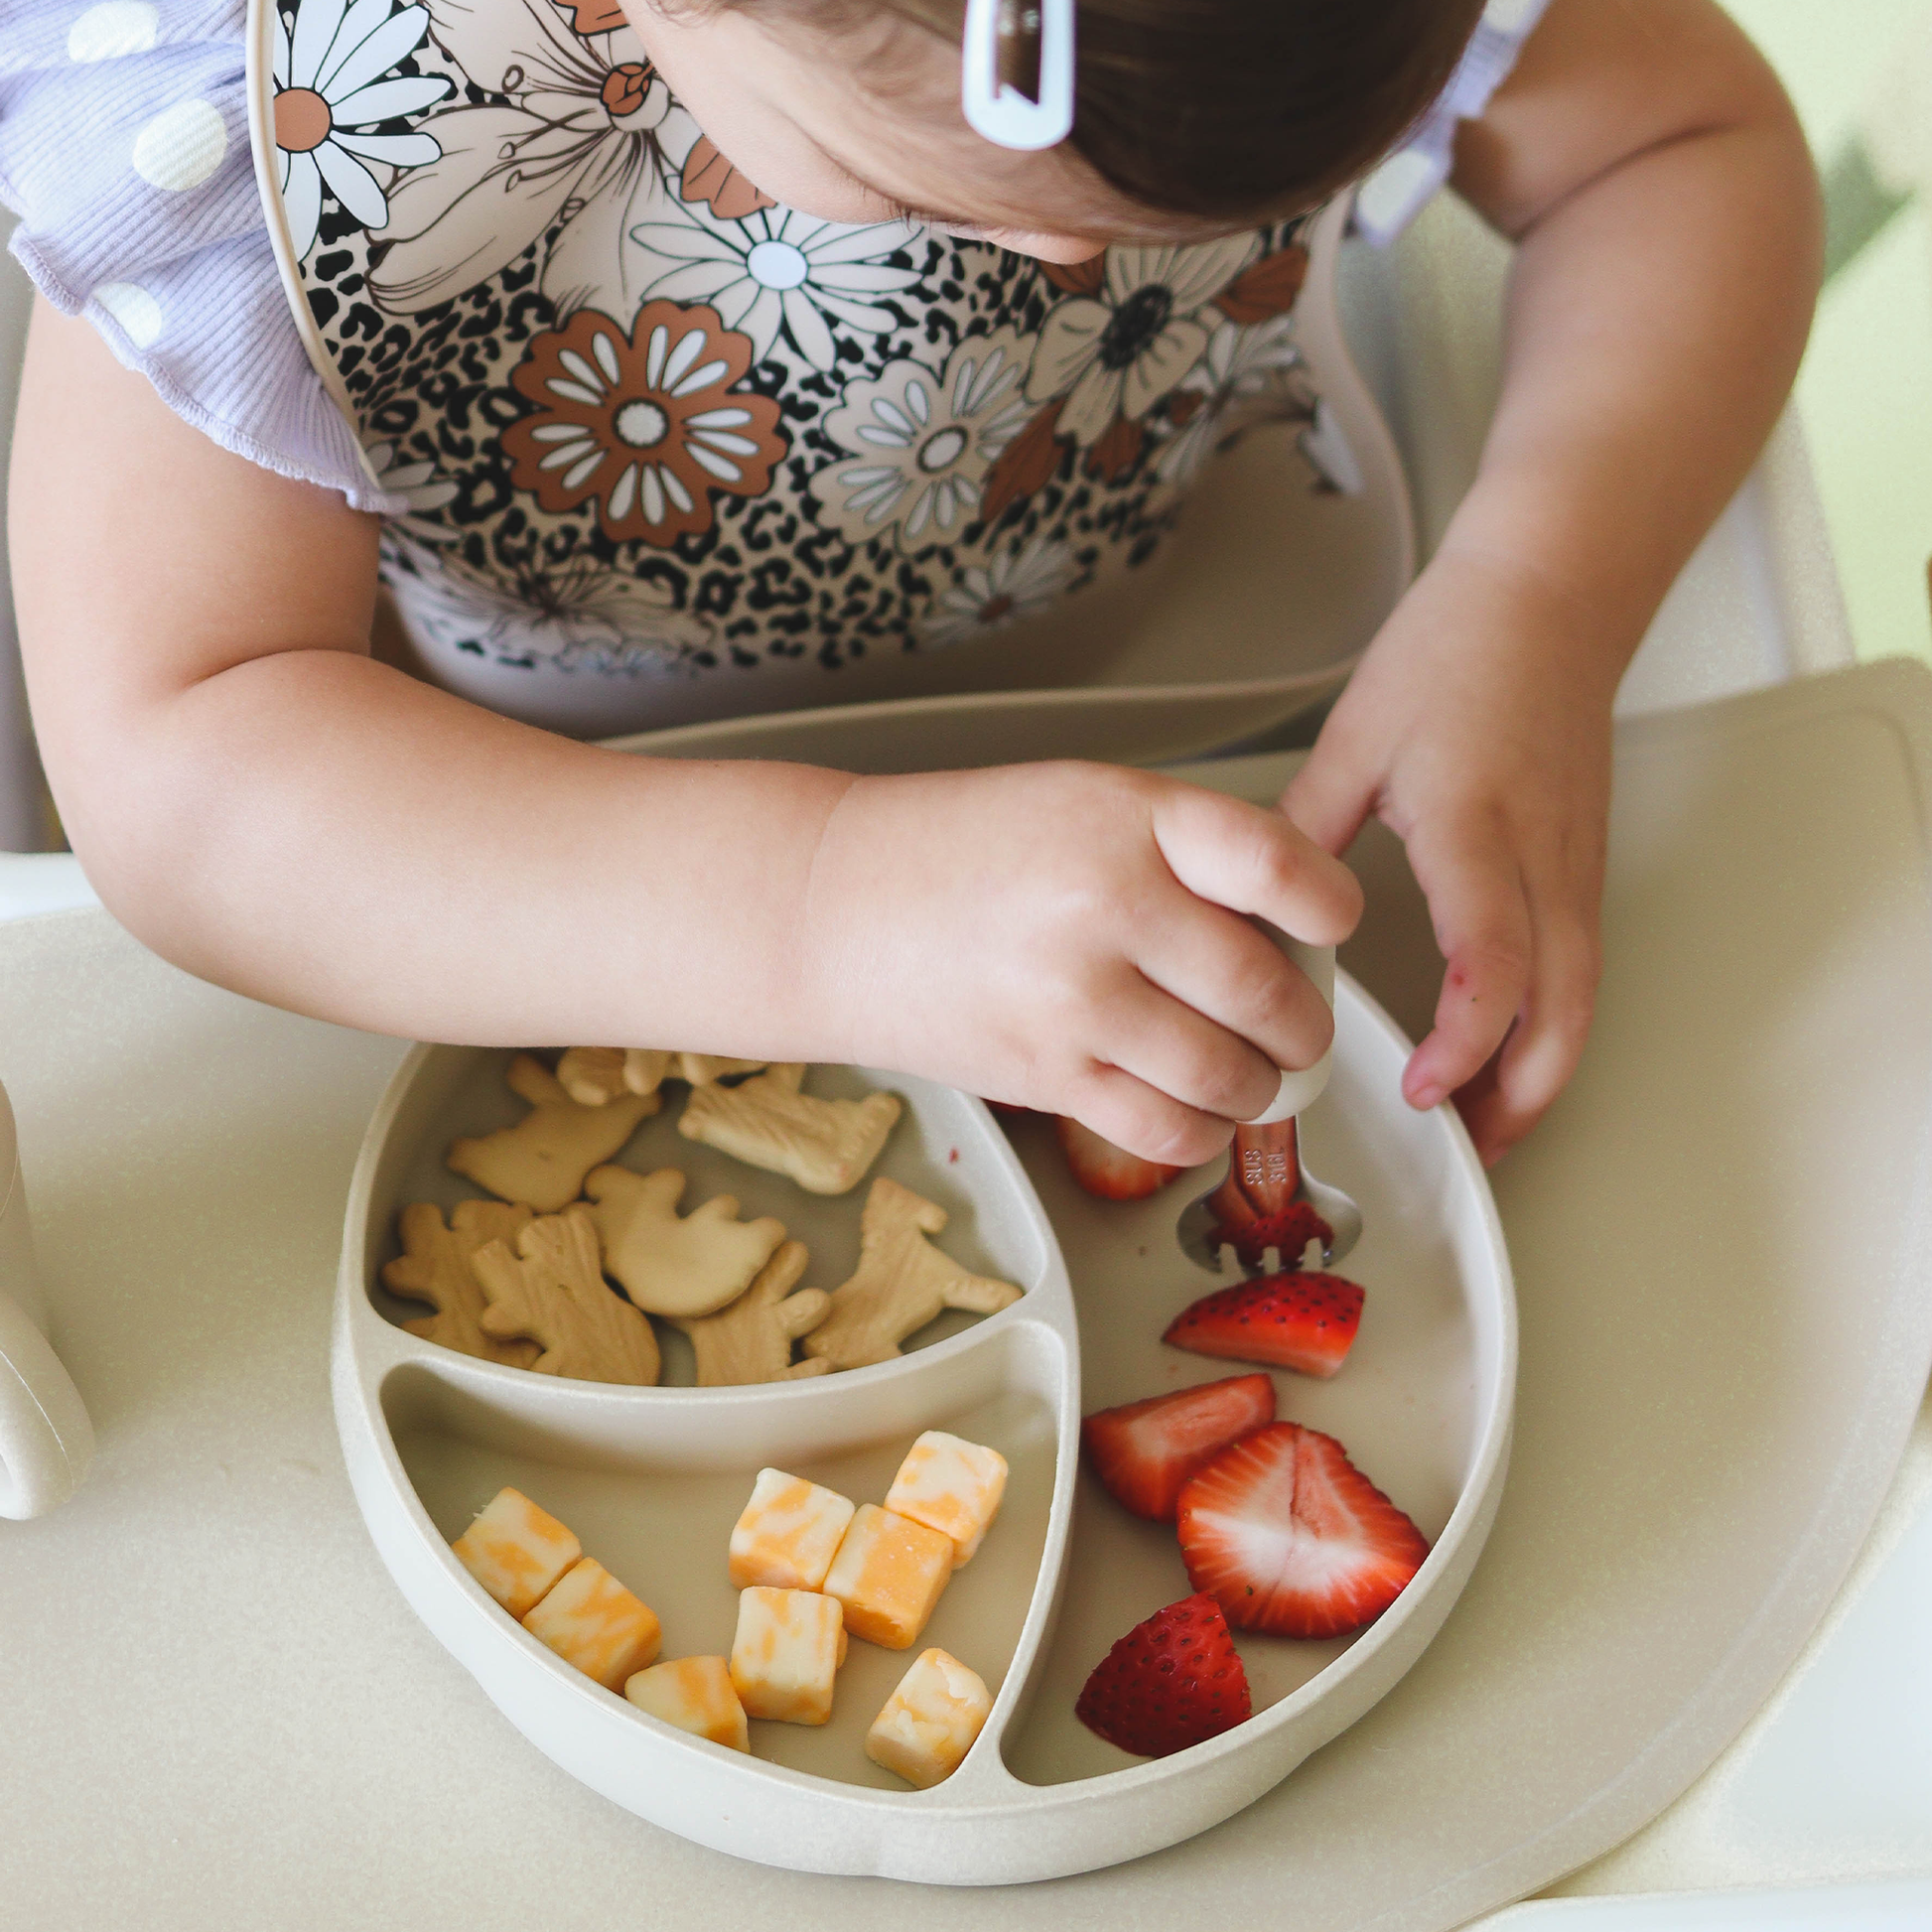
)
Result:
{"points": [[652, 426]]}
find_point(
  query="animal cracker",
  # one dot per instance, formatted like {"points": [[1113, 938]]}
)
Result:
{"points": [[434, 1267], [671, 1263], [900, 1284], [542, 1159], [825, 1145], [750, 1340], [552, 1290]]}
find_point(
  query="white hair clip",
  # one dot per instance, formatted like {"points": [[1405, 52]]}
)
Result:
{"points": [[1017, 70]]}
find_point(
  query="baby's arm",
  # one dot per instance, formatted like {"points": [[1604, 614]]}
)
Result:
{"points": [[1649, 164], [265, 804]]}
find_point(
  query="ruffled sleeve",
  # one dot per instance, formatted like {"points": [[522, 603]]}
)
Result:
{"points": [[124, 150], [1398, 191]]}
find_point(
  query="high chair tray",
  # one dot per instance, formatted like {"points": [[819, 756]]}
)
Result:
{"points": [[221, 1714]]}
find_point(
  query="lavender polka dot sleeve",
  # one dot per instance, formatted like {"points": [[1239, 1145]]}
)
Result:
{"points": [[124, 150]]}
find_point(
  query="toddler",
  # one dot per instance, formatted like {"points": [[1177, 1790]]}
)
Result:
{"points": [[418, 390]]}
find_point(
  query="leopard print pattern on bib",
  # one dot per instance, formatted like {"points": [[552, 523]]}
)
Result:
{"points": [[643, 418]]}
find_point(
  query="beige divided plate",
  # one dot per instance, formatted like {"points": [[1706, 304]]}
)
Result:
{"points": [[653, 1479]]}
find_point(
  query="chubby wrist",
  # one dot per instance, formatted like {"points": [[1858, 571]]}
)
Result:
{"points": [[842, 877], [725, 934], [1497, 606], [1551, 547]]}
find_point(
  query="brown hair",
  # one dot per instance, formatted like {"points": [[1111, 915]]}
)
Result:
{"points": [[1235, 108]]}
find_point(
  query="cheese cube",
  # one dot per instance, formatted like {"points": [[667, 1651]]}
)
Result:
{"points": [[951, 1485], [788, 1534], [787, 1653], [696, 1695], [889, 1574], [929, 1722], [591, 1620], [516, 1551]]}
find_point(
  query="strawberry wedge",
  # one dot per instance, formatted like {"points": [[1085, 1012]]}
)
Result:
{"points": [[1144, 1450], [1260, 1205], [1106, 1170], [1288, 1536], [1303, 1322], [1171, 1682], [1288, 1232]]}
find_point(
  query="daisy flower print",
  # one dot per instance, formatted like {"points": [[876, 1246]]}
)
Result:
{"points": [[1013, 584], [645, 424], [419, 485], [1115, 352], [778, 268], [564, 151], [923, 443], [579, 616], [335, 90], [1246, 376]]}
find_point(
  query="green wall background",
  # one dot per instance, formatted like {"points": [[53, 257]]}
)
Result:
{"points": [[1865, 392]]}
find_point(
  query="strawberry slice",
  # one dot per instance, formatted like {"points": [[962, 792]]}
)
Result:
{"points": [[1108, 1171], [1288, 1536], [1303, 1322], [1171, 1682], [1144, 1450], [1287, 1233], [1260, 1204]]}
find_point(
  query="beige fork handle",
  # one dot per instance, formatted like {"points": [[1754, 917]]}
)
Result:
{"points": [[1301, 1088]]}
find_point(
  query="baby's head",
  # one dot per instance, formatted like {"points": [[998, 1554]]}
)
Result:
{"points": [[1193, 117]]}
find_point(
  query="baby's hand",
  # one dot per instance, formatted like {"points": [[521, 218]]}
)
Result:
{"points": [[1071, 938], [1478, 728]]}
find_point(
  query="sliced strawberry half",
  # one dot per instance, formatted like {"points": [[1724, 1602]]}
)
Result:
{"points": [[1288, 1232], [1171, 1682], [1288, 1536], [1303, 1322], [1108, 1171], [1144, 1450]]}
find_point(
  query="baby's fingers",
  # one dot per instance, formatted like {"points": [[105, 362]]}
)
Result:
{"points": [[1143, 1120], [1331, 797], [1481, 916], [1255, 861], [1542, 1053], [1230, 979], [1183, 1053]]}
